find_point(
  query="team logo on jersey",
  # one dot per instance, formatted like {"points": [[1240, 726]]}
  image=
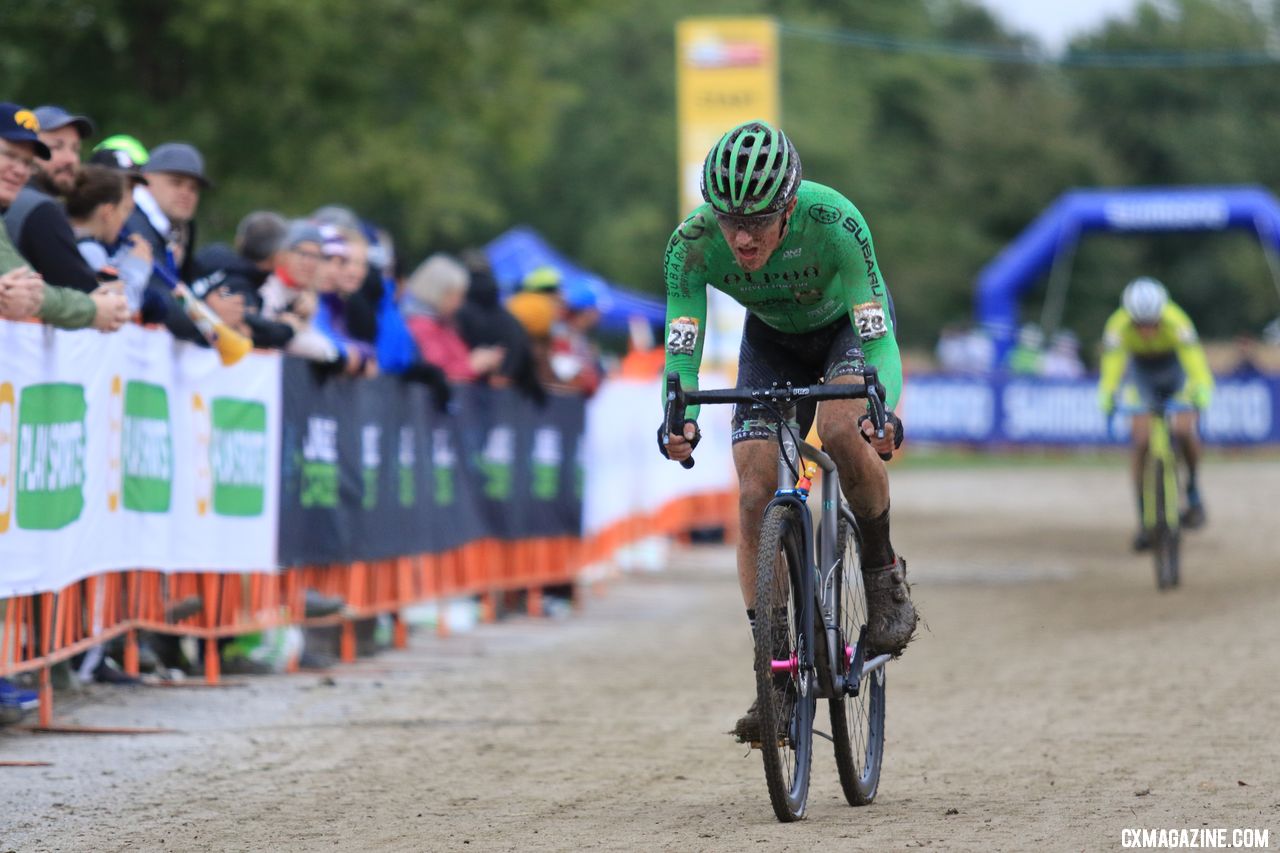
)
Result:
{"points": [[824, 213], [692, 228], [808, 295], [792, 253]]}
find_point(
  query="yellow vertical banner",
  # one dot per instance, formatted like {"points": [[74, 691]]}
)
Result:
{"points": [[726, 73]]}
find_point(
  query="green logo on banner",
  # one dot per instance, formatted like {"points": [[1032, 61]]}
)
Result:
{"points": [[320, 463], [408, 490], [496, 462], [371, 463], [147, 455], [547, 454], [443, 462], [51, 451], [238, 456]]}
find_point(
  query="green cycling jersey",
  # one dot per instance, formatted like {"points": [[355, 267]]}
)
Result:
{"points": [[824, 269]]}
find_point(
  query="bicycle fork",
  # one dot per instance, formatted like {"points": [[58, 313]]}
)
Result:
{"points": [[814, 581], [1160, 449]]}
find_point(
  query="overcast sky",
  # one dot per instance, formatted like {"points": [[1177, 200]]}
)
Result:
{"points": [[1056, 21]]}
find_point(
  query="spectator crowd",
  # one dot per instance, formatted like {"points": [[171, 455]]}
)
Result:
{"points": [[100, 233], [112, 239]]}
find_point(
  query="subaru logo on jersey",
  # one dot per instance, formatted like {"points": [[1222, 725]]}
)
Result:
{"points": [[824, 213]]}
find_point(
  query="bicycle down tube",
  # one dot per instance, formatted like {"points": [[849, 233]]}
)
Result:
{"points": [[792, 450]]}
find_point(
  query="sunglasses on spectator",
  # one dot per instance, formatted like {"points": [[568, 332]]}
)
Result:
{"points": [[10, 155], [753, 225]]}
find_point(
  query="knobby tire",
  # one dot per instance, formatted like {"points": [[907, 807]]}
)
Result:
{"points": [[786, 703], [857, 722]]}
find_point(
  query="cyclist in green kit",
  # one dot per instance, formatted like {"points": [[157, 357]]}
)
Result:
{"points": [[799, 257]]}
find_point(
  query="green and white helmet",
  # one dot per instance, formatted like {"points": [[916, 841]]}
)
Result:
{"points": [[753, 170]]}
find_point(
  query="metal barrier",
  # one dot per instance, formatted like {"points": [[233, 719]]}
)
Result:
{"points": [[40, 630]]}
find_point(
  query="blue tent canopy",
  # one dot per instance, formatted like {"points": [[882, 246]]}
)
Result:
{"points": [[1123, 210], [520, 250]]}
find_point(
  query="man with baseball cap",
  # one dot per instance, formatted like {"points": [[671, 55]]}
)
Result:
{"points": [[36, 221], [164, 214], [24, 293]]}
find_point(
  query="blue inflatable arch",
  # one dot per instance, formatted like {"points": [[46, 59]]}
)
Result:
{"points": [[1133, 210]]}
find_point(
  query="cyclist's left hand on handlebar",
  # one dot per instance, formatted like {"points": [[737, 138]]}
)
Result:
{"points": [[679, 447], [892, 434]]}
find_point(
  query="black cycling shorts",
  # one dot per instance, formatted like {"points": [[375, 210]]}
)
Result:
{"points": [[1155, 379], [768, 356]]}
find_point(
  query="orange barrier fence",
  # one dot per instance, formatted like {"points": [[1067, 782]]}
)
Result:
{"points": [[39, 630]]}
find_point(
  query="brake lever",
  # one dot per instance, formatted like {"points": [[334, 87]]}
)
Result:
{"points": [[676, 411], [875, 404]]}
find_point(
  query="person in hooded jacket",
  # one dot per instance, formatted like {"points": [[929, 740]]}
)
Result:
{"points": [[241, 270], [483, 321]]}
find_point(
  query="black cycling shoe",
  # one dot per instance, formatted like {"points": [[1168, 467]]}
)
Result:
{"points": [[1142, 541], [891, 617], [747, 729], [1193, 517]]}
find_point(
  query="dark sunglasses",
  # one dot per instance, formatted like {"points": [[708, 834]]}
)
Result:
{"points": [[754, 225]]}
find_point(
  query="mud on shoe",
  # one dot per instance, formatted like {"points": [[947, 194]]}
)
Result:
{"points": [[747, 729], [891, 617]]}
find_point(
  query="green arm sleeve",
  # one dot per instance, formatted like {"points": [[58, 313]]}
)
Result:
{"points": [[869, 302], [685, 332], [67, 308]]}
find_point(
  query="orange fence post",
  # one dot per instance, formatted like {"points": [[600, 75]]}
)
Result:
{"points": [[46, 637], [212, 664]]}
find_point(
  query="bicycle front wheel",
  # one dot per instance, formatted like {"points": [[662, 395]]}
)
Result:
{"points": [[857, 722], [1166, 537], [785, 690]]}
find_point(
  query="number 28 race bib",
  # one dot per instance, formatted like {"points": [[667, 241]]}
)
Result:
{"points": [[868, 317], [682, 336]]}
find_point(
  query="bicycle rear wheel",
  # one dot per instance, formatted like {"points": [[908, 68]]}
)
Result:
{"points": [[857, 722], [1166, 539], [786, 696]]}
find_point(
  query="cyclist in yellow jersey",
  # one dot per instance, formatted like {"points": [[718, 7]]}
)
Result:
{"points": [[1152, 343]]}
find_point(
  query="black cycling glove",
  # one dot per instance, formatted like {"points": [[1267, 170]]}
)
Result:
{"points": [[889, 418], [662, 436]]}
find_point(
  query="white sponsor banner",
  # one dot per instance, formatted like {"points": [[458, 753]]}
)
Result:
{"points": [[131, 451], [625, 473]]}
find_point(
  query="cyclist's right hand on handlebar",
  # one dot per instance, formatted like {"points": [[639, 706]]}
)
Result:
{"points": [[892, 439], [678, 447]]}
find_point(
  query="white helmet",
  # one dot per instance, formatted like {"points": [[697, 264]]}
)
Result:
{"points": [[1144, 299]]}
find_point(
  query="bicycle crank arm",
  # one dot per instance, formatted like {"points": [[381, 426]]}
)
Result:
{"points": [[875, 663]]}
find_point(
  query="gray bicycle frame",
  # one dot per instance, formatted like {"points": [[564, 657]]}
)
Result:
{"points": [[828, 561]]}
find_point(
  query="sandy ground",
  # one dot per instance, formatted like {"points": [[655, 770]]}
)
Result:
{"points": [[1055, 699]]}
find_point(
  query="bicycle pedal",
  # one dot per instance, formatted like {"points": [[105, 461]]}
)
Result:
{"points": [[783, 743]]}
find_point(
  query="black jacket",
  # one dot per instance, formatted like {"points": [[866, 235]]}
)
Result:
{"points": [[159, 304], [40, 230], [482, 321], [219, 266]]}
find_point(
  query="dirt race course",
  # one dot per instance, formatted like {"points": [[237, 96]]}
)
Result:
{"points": [[1055, 700]]}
